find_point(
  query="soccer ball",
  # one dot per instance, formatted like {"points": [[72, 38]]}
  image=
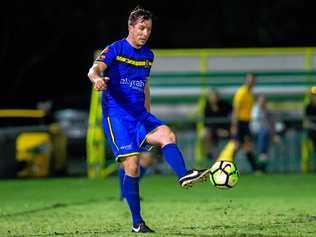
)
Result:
{"points": [[224, 174]]}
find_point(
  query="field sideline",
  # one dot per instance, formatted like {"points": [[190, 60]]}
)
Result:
{"points": [[267, 205]]}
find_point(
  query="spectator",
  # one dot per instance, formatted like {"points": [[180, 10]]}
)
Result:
{"points": [[262, 127], [309, 124], [216, 125], [240, 130]]}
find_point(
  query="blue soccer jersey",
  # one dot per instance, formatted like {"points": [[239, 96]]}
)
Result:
{"points": [[128, 70], [126, 121]]}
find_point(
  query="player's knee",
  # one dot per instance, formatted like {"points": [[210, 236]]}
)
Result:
{"points": [[131, 166], [132, 170], [169, 138], [172, 137]]}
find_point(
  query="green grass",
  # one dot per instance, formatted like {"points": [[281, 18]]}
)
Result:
{"points": [[267, 205]]}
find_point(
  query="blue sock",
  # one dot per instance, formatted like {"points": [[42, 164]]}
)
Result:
{"points": [[121, 174], [142, 171], [173, 156], [131, 191]]}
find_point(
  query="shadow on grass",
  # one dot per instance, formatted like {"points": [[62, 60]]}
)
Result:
{"points": [[56, 206]]}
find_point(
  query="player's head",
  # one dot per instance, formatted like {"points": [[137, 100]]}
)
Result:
{"points": [[250, 80], [139, 26]]}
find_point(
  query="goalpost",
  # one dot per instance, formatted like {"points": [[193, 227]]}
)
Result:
{"points": [[96, 144]]}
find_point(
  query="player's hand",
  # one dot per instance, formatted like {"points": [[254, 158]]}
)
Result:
{"points": [[100, 83]]}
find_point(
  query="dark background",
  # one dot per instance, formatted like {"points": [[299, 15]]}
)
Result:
{"points": [[46, 47]]}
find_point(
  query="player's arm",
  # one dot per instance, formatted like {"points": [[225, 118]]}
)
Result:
{"points": [[147, 97], [95, 75]]}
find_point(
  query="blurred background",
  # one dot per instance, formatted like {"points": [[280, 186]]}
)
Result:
{"points": [[47, 107]]}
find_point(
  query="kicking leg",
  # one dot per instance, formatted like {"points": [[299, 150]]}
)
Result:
{"points": [[166, 139]]}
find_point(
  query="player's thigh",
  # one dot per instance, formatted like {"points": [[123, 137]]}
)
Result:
{"points": [[145, 127], [131, 165], [161, 135], [121, 135]]}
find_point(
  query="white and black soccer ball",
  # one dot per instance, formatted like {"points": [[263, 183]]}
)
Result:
{"points": [[224, 174]]}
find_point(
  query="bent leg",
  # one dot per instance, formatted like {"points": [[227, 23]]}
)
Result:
{"points": [[164, 137]]}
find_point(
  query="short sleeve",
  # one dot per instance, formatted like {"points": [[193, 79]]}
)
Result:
{"points": [[107, 55], [149, 63]]}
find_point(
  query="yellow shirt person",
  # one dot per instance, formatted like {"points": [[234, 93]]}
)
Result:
{"points": [[243, 102], [241, 136]]}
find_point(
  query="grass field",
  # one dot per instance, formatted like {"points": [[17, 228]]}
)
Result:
{"points": [[267, 205]]}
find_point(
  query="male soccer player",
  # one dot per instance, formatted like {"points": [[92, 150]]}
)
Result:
{"points": [[121, 72], [241, 136]]}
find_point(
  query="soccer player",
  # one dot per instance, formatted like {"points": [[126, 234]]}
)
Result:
{"points": [[240, 132], [121, 72]]}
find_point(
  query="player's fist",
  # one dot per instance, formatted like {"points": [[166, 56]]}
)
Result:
{"points": [[100, 83]]}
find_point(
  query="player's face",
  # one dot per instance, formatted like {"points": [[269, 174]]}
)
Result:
{"points": [[140, 32]]}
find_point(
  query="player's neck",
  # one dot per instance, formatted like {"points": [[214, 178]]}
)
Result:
{"points": [[132, 43]]}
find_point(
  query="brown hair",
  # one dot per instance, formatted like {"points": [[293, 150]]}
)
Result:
{"points": [[139, 14]]}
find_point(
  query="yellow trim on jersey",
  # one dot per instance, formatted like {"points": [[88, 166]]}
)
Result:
{"points": [[136, 63], [111, 132], [233, 52], [118, 158], [147, 136]]}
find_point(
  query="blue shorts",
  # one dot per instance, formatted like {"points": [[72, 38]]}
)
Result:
{"points": [[127, 134]]}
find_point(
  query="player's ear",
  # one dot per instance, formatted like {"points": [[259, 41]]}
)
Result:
{"points": [[130, 27]]}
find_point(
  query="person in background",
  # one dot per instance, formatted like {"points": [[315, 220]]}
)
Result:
{"points": [[216, 113], [309, 125], [262, 127], [240, 131]]}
